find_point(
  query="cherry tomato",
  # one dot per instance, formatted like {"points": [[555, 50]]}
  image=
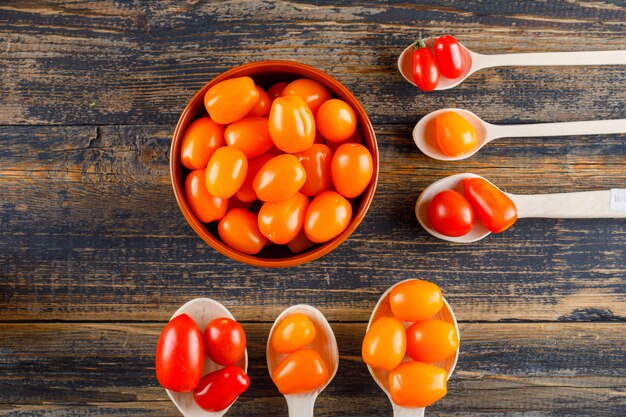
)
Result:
{"points": [[450, 214], [415, 300], [230, 100], [276, 90], [291, 124], [202, 137], [384, 345], [316, 161], [292, 333], [431, 340], [239, 229], [455, 135], [311, 91], [280, 178], [281, 221], [425, 70], [219, 389], [356, 138], [262, 106], [226, 172], [224, 341], [336, 120], [327, 216], [301, 371], [246, 193], [449, 56], [300, 243], [494, 208], [352, 169], [180, 355], [250, 135], [417, 384], [206, 207]]}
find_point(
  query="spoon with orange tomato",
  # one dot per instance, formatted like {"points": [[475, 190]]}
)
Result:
{"points": [[456, 134], [302, 357], [576, 205]]}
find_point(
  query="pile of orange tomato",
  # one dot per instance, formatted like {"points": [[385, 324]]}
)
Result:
{"points": [[279, 166]]}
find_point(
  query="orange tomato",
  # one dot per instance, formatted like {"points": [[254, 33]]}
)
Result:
{"points": [[262, 106], [291, 124], [494, 208], [455, 135], [431, 340], [384, 344], [327, 216], [246, 193], [415, 300], [276, 90], [281, 221], [239, 230], [336, 120], [230, 100], [417, 384], [226, 172], [206, 207], [311, 91], [316, 161], [355, 138], [300, 243], [352, 169], [280, 178], [202, 137], [292, 333], [301, 371], [250, 135]]}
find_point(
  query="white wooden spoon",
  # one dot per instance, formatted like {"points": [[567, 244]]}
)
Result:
{"points": [[475, 61], [203, 311], [425, 138], [578, 205], [383, 308], [302, 404]]}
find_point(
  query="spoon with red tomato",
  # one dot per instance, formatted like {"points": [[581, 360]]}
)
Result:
{"points": [[447, 138], [203, 311], [465, 62], [495, 211], [303, 365], [381, 377]]}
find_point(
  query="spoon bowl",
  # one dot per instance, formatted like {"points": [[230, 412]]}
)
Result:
{"points": [[202, 311]]}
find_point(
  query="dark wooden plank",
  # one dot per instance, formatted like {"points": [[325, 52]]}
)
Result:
{"points": [[107, 369], [89, 226]]}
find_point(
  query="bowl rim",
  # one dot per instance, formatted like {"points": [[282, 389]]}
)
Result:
{"points": [[274, 66]]}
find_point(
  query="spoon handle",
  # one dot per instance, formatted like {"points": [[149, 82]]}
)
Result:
{"points": [[407, 412], [300, 405], [593, 127], [553, 58], [578, 205]]}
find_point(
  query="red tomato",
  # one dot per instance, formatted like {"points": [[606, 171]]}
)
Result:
{"points": [[415, 300], [416, 384], [262, 107], [250, 135], [180, 355], [455, 135], [224, 341], [336, 120], [449, 56], [356, 138], [281, 221], [230, 100], [226, 172], [384, 345], [291, 124], [431, 340], [300, 243], [219, 389], [316, 161], [239, 229], [280, 178], [276, 90], [327, 216], [494, 208], [246, 193], [292, 333], [311, 91], [301, 371], [450, 214], [202, 137], [206, 207], [352, 169], [425, 70]]}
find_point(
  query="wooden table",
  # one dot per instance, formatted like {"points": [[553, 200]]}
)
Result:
{"points": [[95, 254]]}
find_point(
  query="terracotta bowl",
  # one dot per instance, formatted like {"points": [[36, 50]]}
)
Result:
{"points": [[266, 73]]}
